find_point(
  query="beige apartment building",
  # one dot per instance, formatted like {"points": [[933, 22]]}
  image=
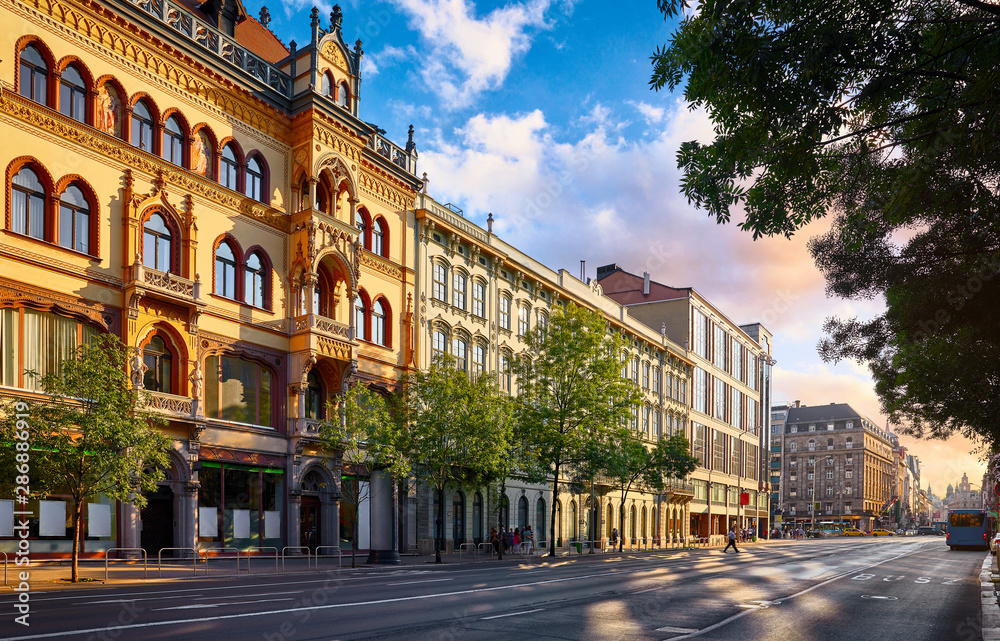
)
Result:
{"points": [[729, 395], [477, 298]]}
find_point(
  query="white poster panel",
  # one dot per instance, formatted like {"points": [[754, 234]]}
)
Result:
{"points": [[98, 519], [272, 524], [6, 518], [241, 524], [52, 518], [208, 521]]}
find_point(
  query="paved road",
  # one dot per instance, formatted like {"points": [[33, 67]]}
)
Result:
{"points": [[910, 589]]}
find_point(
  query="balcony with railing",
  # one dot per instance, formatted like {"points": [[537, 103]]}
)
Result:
{"points": [[393, 153], [171, 405], [178, 18], [322, 325]]}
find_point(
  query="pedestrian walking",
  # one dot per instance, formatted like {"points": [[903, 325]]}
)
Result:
{"points": [[497, 543], [614, 538], [732, 541]]}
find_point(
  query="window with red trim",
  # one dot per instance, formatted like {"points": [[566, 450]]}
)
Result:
{"points": [[73, 94], [74, 220], [28, 204], [34, 75]]}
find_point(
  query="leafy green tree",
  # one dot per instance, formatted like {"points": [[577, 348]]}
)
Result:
{"points": [[633, 464], [360, 429], [884, 115], [90, 435], [571, 391], [456, 431]]}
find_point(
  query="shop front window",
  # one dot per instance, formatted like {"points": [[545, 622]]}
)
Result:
{"points": [[239, 506]]}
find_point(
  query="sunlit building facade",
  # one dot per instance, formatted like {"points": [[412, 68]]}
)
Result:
{"points": [[178, 176]]}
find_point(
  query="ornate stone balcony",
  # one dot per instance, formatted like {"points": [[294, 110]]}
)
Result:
{"points": [[393, 152], [171, 405], [321, 325]]}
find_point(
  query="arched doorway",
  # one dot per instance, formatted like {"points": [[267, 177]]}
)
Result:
{"points": [[477, 518], [310, 510], [522, 512], [458, 519]]}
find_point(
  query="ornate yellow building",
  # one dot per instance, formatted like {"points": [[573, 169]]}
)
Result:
{"points": [[178, 176]]}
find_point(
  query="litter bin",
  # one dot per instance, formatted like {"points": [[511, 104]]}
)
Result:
{"points": [[579, 547]]}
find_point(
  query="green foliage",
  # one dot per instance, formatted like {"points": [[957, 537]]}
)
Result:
{"points": [[362, 432], [571, 392], [456, 429], [91, 434], [885, 114]]}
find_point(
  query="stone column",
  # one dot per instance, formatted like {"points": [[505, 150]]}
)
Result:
{"points": [[189, 516], [293, 520], [131, 524], [382, 499]]}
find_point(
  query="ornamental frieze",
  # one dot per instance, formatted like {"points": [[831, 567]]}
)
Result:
{"points": [[21, 294], [336, 142], [334, 348], [378, 189], [216, 343], [379, 265], [213, 453]]}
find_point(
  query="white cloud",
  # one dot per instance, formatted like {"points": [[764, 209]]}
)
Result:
{"points": [[469, 54], [372, 63], [653, 115]]}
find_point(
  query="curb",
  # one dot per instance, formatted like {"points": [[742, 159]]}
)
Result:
{"points": [[988, 592]]}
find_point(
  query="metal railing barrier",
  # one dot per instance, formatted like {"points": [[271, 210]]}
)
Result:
{"points": [[487, 547], [144, 562], [260, 549], [339, 554], [299, 548], [222, 549], [159, 559], [468, 547]]}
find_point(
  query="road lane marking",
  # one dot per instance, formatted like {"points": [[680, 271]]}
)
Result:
{"points": [[194, 606], [424, 581], [742, 614], [884, 598], [677, 630], [512, 614], [243, 596], [331, 606]]}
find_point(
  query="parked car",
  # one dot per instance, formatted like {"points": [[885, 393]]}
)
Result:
{"points": [[995, 542], [853, 531], [929, 531], [881, 532]]}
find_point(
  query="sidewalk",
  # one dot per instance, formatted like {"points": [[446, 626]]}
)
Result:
{"points": [[990, 606], [54, 575]]}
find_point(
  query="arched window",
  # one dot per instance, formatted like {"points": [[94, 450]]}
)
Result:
{"points": [[344, 96], [610, 525], [254, 187], [319, 300], [850, 442], [229, 168], [159, 366], [572, 519], [378, 323], [631, 529], [812, 445], [74, 220], [793, 447], [458, 518], [326, 84], [479, 298], [142, 126], [439, 345], [505, 313], [255, 281], [28, 204], [173, 141], [34, 75], [439, 283], [314, 397], [522, 320], [378, 237], [225, 271], [460, 350], [362, 224], [73, 94], [360, 314], [458, 290], [478, 359], [157, 244], [522, 512], [541, 523]]}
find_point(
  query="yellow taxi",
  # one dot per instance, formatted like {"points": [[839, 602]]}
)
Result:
{"points": [[853, 531], [881, 532]]}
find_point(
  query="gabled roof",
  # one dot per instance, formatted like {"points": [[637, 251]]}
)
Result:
{"points": [[259, 39]]}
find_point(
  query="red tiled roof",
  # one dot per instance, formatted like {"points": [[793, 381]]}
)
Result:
{"points": [[260, 40]]}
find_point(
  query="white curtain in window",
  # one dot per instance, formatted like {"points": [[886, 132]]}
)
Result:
{"points": [[48, 340], [8, 346]]}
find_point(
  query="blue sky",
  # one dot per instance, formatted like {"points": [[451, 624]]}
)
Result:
{"points": [[540, 112]]}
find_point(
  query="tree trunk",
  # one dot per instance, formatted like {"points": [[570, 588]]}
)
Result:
{"points": [[552, 515], [77, 519], [357, 519], [439, 535], [621, 527]]}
